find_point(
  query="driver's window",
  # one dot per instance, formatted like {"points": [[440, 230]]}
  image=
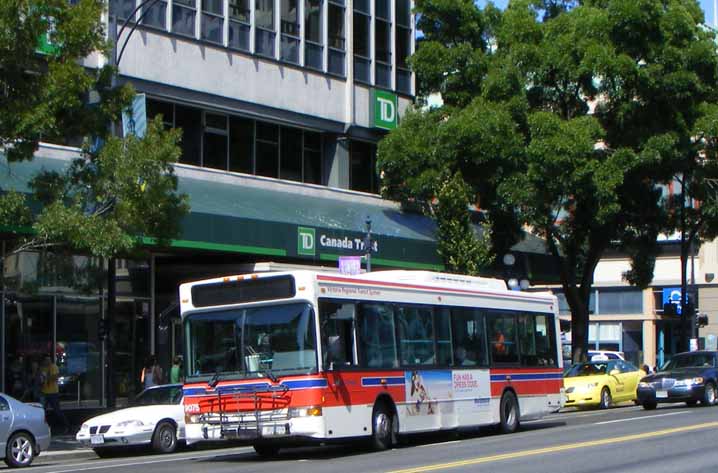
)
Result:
{"points": [[4, 405], [336, 319]]}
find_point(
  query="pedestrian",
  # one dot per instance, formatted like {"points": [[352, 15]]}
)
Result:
{"points": [[49, 374], [152, 373], [176, 370], [647, 369]]}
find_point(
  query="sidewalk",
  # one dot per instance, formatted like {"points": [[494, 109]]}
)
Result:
{"points": [[65, 447]]}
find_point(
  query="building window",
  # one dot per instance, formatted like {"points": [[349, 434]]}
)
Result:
{"points": [[122, 8], [403, 46], [241, 149], [313, 41], [239, 24], [312, 157], [267, 156], [190, 121], [183, 15], [290, 31], [620, 301], [156, 14], [362, 41], [212, 21], [241, 144], [337, 41], [382, 44], [265, 32], [214, 146], [362, 173]]}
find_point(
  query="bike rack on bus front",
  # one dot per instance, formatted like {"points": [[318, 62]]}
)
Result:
{"points": [[243, 428]]}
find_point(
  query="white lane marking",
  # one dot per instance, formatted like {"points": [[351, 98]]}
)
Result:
{"points": [[95, 466], [437, 444], [640, 418], [578, 414]]}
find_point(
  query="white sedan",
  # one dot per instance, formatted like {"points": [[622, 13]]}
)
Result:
{"points": [[156, 419]]}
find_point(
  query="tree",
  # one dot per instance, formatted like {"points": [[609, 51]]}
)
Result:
{"points": [[109, 198], [597, 104]]}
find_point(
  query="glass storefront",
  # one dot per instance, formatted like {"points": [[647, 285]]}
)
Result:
{"points": [[56, 304]]}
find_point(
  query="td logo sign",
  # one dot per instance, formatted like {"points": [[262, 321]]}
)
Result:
{"points": [[306, 241], [385, 109]]}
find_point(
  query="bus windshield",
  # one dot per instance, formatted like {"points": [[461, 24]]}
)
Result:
{"points": [[273, 340]]}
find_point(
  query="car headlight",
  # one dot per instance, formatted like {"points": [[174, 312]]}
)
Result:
{"points": [[84, 427], [130, 423], [689, 381], [570, 389], [644, 385]]}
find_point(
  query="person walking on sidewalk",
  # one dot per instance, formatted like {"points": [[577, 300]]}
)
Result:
{"points": [[152, 373], [176, 370], [49, 374]]}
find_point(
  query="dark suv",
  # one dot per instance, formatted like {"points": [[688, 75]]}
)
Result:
{"points": [[688, 377]]}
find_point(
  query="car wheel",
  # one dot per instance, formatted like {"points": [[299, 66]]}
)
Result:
{"points": [[709, 394], [20, 450], [509, 412], [164, 440], [605, 398], [266, 450], [649, 406], [382, 426]]}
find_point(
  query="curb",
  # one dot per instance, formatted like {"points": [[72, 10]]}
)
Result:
{"points": [[61, 455]]}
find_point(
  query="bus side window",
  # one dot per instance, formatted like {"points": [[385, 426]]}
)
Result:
{"points": [[337, 333], [469, 337], [377, 340]]}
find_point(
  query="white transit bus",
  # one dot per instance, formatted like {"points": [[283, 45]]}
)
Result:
{"points": [[287, 357]]}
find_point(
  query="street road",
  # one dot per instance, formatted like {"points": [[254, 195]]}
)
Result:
{"points": [[673, 438]]}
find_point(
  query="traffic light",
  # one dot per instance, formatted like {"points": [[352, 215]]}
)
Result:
{"points": [[701, 320]]}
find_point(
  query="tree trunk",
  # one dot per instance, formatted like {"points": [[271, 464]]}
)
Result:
{"points": [[579, 323]]}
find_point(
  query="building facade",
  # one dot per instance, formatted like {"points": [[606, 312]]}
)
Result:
{"points": [[627, 319], [281, 103]]}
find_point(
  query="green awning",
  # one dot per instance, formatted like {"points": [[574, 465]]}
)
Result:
{"points": [[250, 215]]}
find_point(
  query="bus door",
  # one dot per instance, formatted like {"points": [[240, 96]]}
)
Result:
{"points": [[337, 330]]}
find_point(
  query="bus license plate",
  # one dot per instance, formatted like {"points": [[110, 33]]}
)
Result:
{"points": [[662, 394], [97, 439]]}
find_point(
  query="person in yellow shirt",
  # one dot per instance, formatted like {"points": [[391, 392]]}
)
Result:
{"points": [[49, 374]]}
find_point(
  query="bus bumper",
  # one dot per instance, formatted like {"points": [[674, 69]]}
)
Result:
{"points": [[312, 427]]}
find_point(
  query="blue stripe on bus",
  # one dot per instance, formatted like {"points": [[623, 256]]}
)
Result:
{"points": [[526, 377], [239, 388], [377, 381]]}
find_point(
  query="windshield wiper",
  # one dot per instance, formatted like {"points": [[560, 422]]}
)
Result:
{"points": [[212, 383]]}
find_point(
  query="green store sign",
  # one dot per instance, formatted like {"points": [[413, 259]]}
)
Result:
{"points": [[45, 43], [384, 108]]}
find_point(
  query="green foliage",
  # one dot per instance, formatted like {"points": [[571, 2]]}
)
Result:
{"points": [[567, 117], [462, 250], [44, 96], [104, 203]]}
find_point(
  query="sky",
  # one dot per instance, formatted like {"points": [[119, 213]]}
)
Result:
{"points": [[707, 6]]}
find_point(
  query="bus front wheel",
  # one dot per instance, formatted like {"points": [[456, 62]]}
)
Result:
{"points": [[509, 413]]}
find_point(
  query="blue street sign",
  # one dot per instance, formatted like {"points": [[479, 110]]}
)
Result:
{"points": [[672, 295]]}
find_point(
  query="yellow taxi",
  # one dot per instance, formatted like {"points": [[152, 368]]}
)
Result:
{"points": [[601, 383]]}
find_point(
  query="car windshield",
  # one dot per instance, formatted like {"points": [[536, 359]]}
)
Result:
{"points": [[690, 360], [249, 342], [160, 395], [586, 369]]}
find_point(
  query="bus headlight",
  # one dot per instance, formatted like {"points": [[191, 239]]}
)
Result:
{"points": [[312, 411], [191, 418]]}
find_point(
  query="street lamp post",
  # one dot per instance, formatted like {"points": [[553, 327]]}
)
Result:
{"points": [[368, 245]]}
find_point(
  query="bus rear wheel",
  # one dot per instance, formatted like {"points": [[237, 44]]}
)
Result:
{"points": [[509, 413], [382, 425]]}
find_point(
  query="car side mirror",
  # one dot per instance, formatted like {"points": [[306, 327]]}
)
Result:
{"points": [[614, 372]]}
